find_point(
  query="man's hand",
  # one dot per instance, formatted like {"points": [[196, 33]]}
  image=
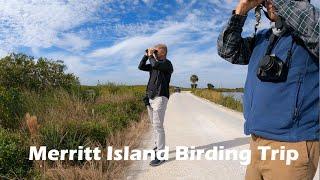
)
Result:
{"points": [[244, 6], [150, 52]]}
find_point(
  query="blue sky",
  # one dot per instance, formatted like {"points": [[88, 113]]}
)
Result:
{"points": [[105, 39]]}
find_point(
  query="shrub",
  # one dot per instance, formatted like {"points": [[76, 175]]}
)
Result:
{"points": [[23, 72], [119, 114], [71, 134], [210, 86], [14, 161], [88, 93], [11, 108]]}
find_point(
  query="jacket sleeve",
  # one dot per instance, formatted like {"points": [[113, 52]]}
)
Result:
{"points": [[143, 66], [303, 18], [231, 46], [164, 66]]}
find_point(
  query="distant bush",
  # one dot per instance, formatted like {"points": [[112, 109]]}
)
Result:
{"points": [[210, 86], [89, 93], [112, 88], [14, 161], [24, 72]]}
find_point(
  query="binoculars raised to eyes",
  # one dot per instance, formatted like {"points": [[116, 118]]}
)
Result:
{"points": [[154, 51]]}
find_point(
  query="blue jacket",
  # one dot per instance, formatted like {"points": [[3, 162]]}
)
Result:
{"points": [[286, 111]]}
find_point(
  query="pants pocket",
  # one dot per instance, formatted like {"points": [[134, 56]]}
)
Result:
{"points": [[303, 159]]}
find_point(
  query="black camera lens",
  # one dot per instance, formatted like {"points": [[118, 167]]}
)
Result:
{"points": [[267, 63], [272, 69]]}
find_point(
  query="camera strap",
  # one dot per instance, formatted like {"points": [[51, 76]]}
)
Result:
{"points": [[272, 41], [257, 13]]}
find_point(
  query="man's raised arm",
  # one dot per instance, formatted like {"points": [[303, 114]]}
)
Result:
{"points": [[231, 46], [143, 66], [303, 17]]}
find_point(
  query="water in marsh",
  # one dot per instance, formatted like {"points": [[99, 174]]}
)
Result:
{"points": [[236, 95]]}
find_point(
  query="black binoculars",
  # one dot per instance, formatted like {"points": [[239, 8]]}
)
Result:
{"points": [[155, 51]]}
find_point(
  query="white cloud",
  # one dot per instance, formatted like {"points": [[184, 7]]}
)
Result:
{"points": [[42, 23], [190, 33], [75, 63], [3, 53], [183, 51], [131, 46], [72, 42]]}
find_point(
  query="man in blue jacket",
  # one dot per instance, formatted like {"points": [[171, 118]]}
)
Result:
{"points": [[281, 99]]}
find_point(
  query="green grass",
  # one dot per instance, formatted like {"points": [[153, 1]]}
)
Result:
{"points": [[68, 120]]}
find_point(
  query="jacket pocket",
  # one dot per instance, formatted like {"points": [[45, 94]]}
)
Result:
{"points": [[274, 104]]}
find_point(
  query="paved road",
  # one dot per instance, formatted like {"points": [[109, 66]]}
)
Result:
{"points": [[192, 121]]}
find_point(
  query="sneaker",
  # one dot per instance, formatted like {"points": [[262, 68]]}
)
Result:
{"points": [[156, 162], [155, 149]]}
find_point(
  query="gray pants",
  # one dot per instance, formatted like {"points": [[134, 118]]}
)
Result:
{"points": [[156, 111]]}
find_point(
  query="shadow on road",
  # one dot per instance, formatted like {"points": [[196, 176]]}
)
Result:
{"points": [[227, 144]]}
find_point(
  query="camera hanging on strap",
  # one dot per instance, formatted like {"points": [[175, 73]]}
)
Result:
{"points": [[272, 68]]}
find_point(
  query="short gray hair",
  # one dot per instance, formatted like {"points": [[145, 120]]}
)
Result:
{"points": [[163, 47]]}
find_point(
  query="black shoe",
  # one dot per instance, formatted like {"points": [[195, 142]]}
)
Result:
{"points": [[154, 149], [156, 162]]}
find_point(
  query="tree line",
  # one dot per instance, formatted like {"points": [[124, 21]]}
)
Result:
{"points": [[194, 79]]}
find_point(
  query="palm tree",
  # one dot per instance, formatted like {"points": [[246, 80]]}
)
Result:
{"points": [[194, 79]]}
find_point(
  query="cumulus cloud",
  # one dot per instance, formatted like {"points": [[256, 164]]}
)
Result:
{"points": [[191, 37], [42, 23], [192, 50], [105, 39], [72, 42]]}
